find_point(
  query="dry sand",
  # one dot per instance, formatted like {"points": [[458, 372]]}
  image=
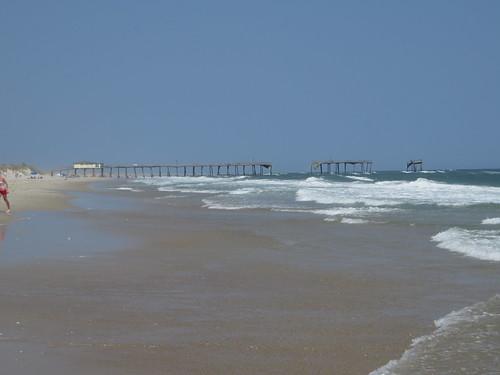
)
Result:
{"points": [[47, 194]]}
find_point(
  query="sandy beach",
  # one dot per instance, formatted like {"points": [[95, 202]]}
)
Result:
{"points": [[250, 187], [118, 283], [41, 194], [200, 296]]}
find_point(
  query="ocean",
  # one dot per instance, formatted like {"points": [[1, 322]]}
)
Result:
{"points": [[465, 203], [460, 209]]}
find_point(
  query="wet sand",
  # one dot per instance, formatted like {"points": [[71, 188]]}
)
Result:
{"points": [[197, 291]]}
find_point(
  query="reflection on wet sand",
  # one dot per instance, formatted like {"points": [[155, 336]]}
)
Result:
{"points": [[3, 230]]}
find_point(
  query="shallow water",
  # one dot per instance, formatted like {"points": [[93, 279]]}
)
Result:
{"points": [[466, 341], [247, 277], [468, 201], [458, 211], [34, 236]]}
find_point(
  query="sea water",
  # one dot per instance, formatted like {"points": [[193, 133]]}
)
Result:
{"points": [[461, 206]]}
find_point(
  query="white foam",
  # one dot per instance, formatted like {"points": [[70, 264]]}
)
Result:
{"points": [[354, 191], [480, 244], [344, 195], [124, 188], [354, 211], [359, 178], [285, 184], [244, 191], [220, 206], [316, 181], [191, 191], [172, 180], [491, 221], [465, 328], [386, 193], [298, 210], [347, 220]]}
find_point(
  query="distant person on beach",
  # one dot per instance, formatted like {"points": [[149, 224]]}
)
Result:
{"points": [[4, 190]]}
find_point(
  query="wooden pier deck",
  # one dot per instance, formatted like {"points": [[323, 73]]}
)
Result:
{"points": [[414, 165], [341, 166], [166, 170]]}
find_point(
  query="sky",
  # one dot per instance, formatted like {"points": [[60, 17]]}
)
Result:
{"points": [[221, 81]]}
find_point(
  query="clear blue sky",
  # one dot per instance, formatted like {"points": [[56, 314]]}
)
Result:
{"points": [[284, 81]]}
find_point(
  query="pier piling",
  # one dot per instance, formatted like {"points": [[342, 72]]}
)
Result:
{"points": [[325, 166], [414, 165], [212, 169]]}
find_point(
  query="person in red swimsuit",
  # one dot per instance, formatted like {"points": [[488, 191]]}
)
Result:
{"points": [[4, 190]]}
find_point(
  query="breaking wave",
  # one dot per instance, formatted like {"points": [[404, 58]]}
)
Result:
{"points": [[386, 193], [480, 244], [491, 221], [465, 341]]}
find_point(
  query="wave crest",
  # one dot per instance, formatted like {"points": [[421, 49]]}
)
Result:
{"points": [[480, 244], [471, 332]]}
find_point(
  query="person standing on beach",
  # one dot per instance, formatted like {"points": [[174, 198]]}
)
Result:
{"points": [[4, 190]]}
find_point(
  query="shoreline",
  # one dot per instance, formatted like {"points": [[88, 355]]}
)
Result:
{"points": [[44, 194], [195, 290]]}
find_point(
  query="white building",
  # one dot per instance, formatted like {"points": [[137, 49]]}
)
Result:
{"points": [[87, 165]]}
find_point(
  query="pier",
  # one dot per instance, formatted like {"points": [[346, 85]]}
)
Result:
{"points": [[414, 166], [341, 166], [167, 170]]}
